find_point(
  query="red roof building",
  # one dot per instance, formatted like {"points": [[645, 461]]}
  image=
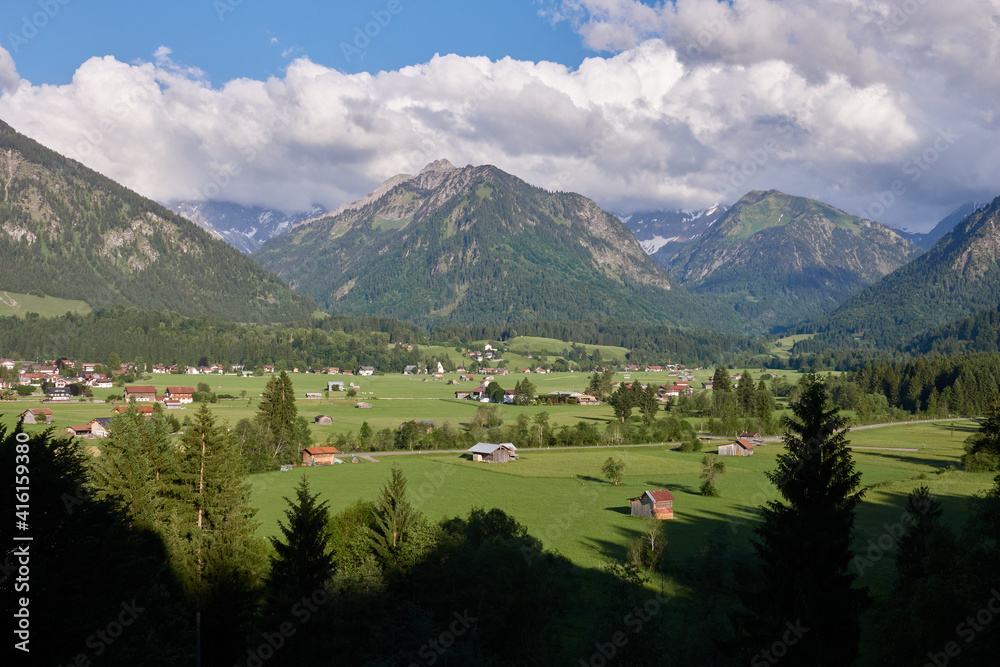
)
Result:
{"points": [[319, 456], [654, 505]]}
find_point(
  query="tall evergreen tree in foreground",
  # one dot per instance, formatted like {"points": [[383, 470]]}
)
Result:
{"points": [[215, 550], [301, 567], [801, 602], [302, 560]]}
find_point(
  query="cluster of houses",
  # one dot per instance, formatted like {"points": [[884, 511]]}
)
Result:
{"points": [[98, 427], [142, 398], [56, 385]]}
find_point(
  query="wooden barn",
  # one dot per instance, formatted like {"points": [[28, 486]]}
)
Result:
{"points": [[485, 452], [323, 420], [319, 456], [739, 447], [654, 505], [36, 416]]}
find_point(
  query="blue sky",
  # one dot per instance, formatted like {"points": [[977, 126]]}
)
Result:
{"points": [[230, 39], [885, 110]]}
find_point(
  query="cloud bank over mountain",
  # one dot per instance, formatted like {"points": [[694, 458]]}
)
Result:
{"points": [[885, 110]]}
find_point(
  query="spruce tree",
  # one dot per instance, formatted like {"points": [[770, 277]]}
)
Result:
{"points": [[136, 463], [214, 546], [745, 393], [395, 517], [802, 585], [303, 561]]}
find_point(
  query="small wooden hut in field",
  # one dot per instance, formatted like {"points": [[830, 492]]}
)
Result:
{"points": [[36, 416], [654, 505], [319, 456], [323, 420], [739, 447], [485, 452]]}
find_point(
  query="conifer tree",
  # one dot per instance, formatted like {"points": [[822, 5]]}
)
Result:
{"points": [[745, 393], [136, 463], [395, 520], [303, 561], [214, 546], [803, 544]]}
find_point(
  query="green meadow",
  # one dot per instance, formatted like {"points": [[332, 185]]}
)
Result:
{"points": [[561, 497], [20, 305]]}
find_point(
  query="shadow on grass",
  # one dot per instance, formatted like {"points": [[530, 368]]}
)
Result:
{"points": [[589, 478], [673, 488], [907, 457]]}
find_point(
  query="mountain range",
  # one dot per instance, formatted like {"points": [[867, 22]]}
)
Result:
{"points": [[246, 228], [779, 259], [662, 234], [927, 240], [958, 277], [478, 245], [68, 232]]}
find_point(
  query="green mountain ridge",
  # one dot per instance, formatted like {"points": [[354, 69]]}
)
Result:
{"points": [[957, 278], [478, 245], [68, 232], [778, 259]]}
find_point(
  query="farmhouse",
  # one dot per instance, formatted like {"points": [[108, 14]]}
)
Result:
{"points": [[367, 371], [462, 395], [36, 416], [586, 399], [323, 420], [739, 447], [99, 426], [490, 453], [654, 505], [58, 396], [335, 386], [141, 394], [182, 394], [319, 456], [78, 431]]}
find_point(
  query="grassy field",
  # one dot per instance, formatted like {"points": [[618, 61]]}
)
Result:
{"points": [[783, 346], [12, 303], [560, 495], [394, 399]]}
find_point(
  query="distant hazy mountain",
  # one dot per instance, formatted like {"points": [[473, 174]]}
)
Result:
{"points": [[67, 231], [928, 239], [245, 228], [663, 233], [779, 259], [958, 277], [478, 245]]}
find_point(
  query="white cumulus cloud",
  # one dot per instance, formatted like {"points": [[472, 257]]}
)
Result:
{"points": [[691, 103]]}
